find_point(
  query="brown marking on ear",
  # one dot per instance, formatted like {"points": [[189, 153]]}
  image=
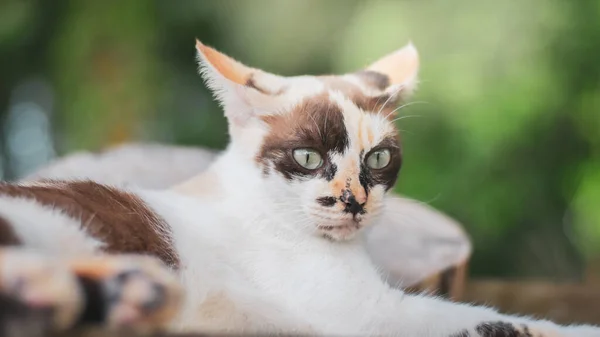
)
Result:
{"points": [[370, 104], [225, 65], [317, 123], [8, 237], [400, 66], [251, 83], [374, 79], [121, 220]]}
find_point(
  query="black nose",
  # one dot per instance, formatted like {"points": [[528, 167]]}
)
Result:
{"points": [[351, 205]]}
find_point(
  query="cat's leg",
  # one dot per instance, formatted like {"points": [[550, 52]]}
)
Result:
{"points": [[414, 315], [38, 285], [113, 291]]}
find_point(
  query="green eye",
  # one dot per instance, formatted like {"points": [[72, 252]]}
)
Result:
{"points": [[379, 159], [307, 158]]}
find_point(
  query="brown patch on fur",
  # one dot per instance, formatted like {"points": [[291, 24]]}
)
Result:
{"points": [[373, 104], [119, 219], [8, 237], [316, 123]]}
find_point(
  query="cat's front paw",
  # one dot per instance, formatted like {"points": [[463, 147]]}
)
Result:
{"points": [[138, 292], [41, 285], [121, 292]]}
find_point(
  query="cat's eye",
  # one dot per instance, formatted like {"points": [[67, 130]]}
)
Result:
{"points": [[379, 159], [308, 158]]}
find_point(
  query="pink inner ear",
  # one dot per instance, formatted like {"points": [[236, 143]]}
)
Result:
{"points": [[400, 66], [225, 65]]}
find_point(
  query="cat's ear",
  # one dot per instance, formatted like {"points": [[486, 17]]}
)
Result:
{"points": [[243, 91], [401, 68]]}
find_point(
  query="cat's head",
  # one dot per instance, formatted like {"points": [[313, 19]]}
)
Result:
{"points": [[326, 147]]}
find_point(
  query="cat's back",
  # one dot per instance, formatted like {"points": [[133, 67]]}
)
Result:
{"points": [[71, 217]]}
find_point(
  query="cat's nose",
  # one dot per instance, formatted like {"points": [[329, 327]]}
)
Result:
{"points": [[351, 205]]}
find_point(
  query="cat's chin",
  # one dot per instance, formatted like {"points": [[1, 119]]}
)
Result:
{"points": [[342, 231]]}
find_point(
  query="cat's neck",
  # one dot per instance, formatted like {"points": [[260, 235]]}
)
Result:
{"points": [[229, 175]]}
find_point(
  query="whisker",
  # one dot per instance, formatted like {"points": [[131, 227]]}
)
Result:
{"points": [[402, 130], [404, 106], [326, 119], [403, 117], [317, 125], [388, 99], [431, 200]]}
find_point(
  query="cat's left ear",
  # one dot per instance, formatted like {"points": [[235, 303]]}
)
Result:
{"points": [[244, 92], [401, 68]]}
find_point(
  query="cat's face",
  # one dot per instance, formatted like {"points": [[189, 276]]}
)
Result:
{"points": [[325, 146]]}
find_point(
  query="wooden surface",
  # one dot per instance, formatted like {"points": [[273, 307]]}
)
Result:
{"points": [[565, 303], [416, 246]]}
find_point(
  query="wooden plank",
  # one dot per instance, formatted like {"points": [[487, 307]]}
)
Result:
{"points": [[563, 303]]}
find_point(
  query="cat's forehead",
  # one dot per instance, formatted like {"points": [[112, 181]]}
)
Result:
{"points": [[334, 114], [354, 104], [366, 89]]}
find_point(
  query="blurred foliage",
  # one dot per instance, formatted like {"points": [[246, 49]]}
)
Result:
{"points": [[505, 137]]}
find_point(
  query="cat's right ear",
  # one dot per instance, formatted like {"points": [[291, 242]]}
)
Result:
{"points": [[244, 92], [401, 69]]}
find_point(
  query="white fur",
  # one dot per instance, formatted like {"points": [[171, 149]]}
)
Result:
{"points": [[47, 229]]}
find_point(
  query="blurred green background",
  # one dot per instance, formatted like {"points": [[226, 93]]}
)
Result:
{"points": [[506, 140]]}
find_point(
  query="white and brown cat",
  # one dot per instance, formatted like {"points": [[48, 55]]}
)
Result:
{"points": [[263, 241]]}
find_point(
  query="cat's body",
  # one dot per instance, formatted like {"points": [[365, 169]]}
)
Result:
{"points": [[265, 240]]}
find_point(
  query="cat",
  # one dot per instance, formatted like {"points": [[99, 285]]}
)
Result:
{"points": [[264, 241]]}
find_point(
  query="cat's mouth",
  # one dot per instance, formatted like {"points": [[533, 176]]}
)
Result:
{"points": [[342, 231]]}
